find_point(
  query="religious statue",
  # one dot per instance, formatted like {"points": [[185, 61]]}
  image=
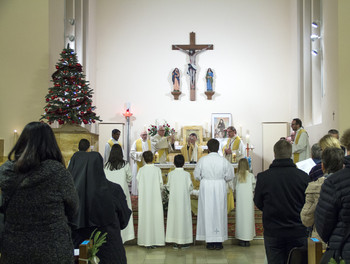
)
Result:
{"points": [[210, 79], [176, 79]]}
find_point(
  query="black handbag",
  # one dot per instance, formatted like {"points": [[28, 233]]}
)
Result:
{"points": [[336, 254]]}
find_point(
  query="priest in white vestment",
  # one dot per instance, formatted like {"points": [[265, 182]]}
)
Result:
{"points": [[234, 146], [191, 151], [179, 220], [150, 232], [163, 145], [113, 140], [213, 171], [300, 145], [138, 147]]}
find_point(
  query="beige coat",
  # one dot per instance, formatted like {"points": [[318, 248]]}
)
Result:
{"points": [[307, 214]]}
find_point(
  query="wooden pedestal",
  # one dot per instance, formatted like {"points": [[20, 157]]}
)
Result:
{"points": [[68, 137], [176, 94], [209, 94]]}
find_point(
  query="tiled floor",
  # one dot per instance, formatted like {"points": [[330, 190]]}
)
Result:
{"points": [[232, 253]]}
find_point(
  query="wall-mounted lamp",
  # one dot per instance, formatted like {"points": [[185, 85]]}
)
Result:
{"points": [[315, 52], [314, 37]]}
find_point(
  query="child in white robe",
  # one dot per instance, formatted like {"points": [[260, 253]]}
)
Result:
{"points": [[179, 220], [150, 231], [244, 185]]}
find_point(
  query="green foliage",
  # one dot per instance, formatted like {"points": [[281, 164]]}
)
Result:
{"points": [[69, 99], [97, 241], [333, 261]]}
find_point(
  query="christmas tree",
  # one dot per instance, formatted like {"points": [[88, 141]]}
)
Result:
{"points": [[69, 100]]}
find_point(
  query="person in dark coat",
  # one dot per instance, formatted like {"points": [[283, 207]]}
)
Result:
{"points": [[40, 198], [280, 195], [332, 215], [102, 205]]}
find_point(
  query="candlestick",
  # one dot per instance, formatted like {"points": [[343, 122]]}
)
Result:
{"points": [[247, 138]]}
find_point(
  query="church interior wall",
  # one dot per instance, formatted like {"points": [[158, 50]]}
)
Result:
{"points": [[344, 64], [24, 53], [254, 62], [130, 61]]}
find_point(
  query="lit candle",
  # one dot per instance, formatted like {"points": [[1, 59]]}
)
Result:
{"points": [[247, 138], [15, 136]]}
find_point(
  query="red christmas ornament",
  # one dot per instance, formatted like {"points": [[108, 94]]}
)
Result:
{"points": [[46, 109], [84, 121], [78, 100], [93, 121], [52, 97], [57, 67], [47, 99]]}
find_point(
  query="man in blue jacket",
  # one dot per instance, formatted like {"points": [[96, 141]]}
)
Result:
{"points": [[280, 195]]}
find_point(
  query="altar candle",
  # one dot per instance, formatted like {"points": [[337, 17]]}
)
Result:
{"points": [[176, 127], [247, 138], [240, 130]]}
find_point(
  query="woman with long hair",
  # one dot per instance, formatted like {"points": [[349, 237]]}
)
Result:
{"points": [[244, 185], [117, 170], [39, 198]]}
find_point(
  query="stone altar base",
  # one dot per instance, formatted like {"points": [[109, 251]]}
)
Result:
{"points": [[68, 137]]}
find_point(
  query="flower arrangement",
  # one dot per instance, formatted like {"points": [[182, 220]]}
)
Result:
{"points": [[153, 129]]}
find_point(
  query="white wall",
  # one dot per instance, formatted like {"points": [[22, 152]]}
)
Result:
{"points": [[254, 62]]}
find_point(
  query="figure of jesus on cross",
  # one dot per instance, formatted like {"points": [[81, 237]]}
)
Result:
{"points": [[192, 51]]}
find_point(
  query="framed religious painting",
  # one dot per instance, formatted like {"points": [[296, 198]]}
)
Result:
{"points": [[187, 130], [219, 124]]}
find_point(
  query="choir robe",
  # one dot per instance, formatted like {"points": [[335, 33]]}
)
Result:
{"points": [[150, 231], [213, 171], [123, 177], [162, 146], [136, 156], [179, 220], [245, 221]]}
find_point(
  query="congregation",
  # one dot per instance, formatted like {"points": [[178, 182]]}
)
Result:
{"points": [[55, 209]]}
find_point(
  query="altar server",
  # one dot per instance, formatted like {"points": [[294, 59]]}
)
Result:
{"points": [[113, 140], [151, 219], [117, 170], [244, 185], [179, 220], [213, 171]]}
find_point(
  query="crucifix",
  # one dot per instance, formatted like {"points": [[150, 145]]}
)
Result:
{"points": [[192, 51]]}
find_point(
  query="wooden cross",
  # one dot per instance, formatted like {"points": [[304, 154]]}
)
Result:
{"points": [[192, 51]]}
